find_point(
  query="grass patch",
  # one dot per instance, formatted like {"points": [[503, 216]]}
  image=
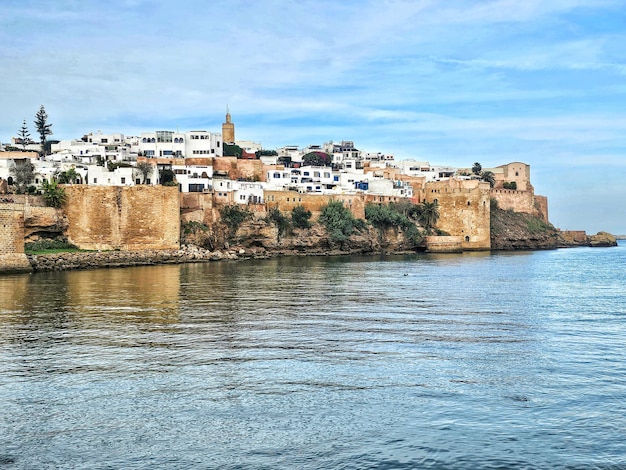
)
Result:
{"points": [[46, 247]]}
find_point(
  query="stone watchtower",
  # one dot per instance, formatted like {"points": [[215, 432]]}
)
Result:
{"points": [[228, 130]]}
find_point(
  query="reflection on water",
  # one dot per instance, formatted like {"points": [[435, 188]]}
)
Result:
{"points": [[448, 361]]}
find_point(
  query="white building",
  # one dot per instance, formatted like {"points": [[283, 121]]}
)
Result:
{"points": [[194, 178], [179, 144], [430, 172]]}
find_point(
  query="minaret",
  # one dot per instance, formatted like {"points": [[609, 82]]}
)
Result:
{"points": [[228, 130]]}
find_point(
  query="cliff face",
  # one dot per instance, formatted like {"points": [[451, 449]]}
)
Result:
{"points": [[519, 231], [259, 238]]}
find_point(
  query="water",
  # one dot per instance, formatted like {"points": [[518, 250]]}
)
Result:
{"points": [[512, 360]]}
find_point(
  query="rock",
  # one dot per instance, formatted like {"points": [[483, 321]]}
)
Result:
{"points": [[602, 239]]}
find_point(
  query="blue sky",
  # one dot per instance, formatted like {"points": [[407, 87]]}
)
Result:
{"points": [[450, 82]]}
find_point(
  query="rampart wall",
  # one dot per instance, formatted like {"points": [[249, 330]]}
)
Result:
{"points": [[12, 257], [522, 201], [250, 170], [287, 200], [125, 218], [464, 210]]}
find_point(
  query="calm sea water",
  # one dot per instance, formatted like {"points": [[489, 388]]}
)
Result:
{"points": [[512, 360]]}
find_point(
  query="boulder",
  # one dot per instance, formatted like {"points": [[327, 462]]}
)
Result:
{"points": [[602, 239]]}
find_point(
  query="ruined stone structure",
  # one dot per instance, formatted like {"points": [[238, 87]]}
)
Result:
{"points": [[123, 218], [464, 210], [12, 257]]}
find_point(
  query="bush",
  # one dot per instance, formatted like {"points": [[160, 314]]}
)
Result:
{"points": [[511, 185], [276, 217], [339, 221], [53, 194], [233, 216], [300, 217], [385, 216]]}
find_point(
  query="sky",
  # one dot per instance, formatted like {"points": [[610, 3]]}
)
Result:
{"points": [[451, 82]]}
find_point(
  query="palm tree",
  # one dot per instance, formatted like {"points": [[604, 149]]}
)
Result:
{"points": [[429, 215], [477, 168], [68, 176], [53, 194], [489, 177]]}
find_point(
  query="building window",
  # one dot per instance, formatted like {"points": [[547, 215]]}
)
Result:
{"points": [[123, 180], [95, 180], [467, 239]]}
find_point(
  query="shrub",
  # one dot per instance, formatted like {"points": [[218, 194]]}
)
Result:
{"points": [[300, 217], [493, 204], [276, 217], [233, 216], [339, 221], [384, 216], [53, 194]]}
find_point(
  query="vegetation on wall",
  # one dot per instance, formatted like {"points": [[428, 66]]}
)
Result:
{"points": [[510, 185]]}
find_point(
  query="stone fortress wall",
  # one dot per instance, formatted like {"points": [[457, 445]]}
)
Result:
{"points": [[123, 218], [12, 257]]}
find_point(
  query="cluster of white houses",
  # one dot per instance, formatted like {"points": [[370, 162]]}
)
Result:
{"points": [[112, 159]]}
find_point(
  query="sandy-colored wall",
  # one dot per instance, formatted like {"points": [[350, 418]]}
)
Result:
{"points": [[464, 210], [12, 257], [11, 228], [251, 170], [287, 200], [126, 218]]}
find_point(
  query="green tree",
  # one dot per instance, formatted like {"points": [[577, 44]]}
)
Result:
{"points": [[42, 126], [429, 215], [477, 169], [265, 153], [23, 173], [276, 217], [489, 177], [167, 177], [233, 216], [145, 170], [300, 217], [68, 176], [232, 150], [53, 194], [339, 221], [385, 216], [24, 135], [317, 159]]}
